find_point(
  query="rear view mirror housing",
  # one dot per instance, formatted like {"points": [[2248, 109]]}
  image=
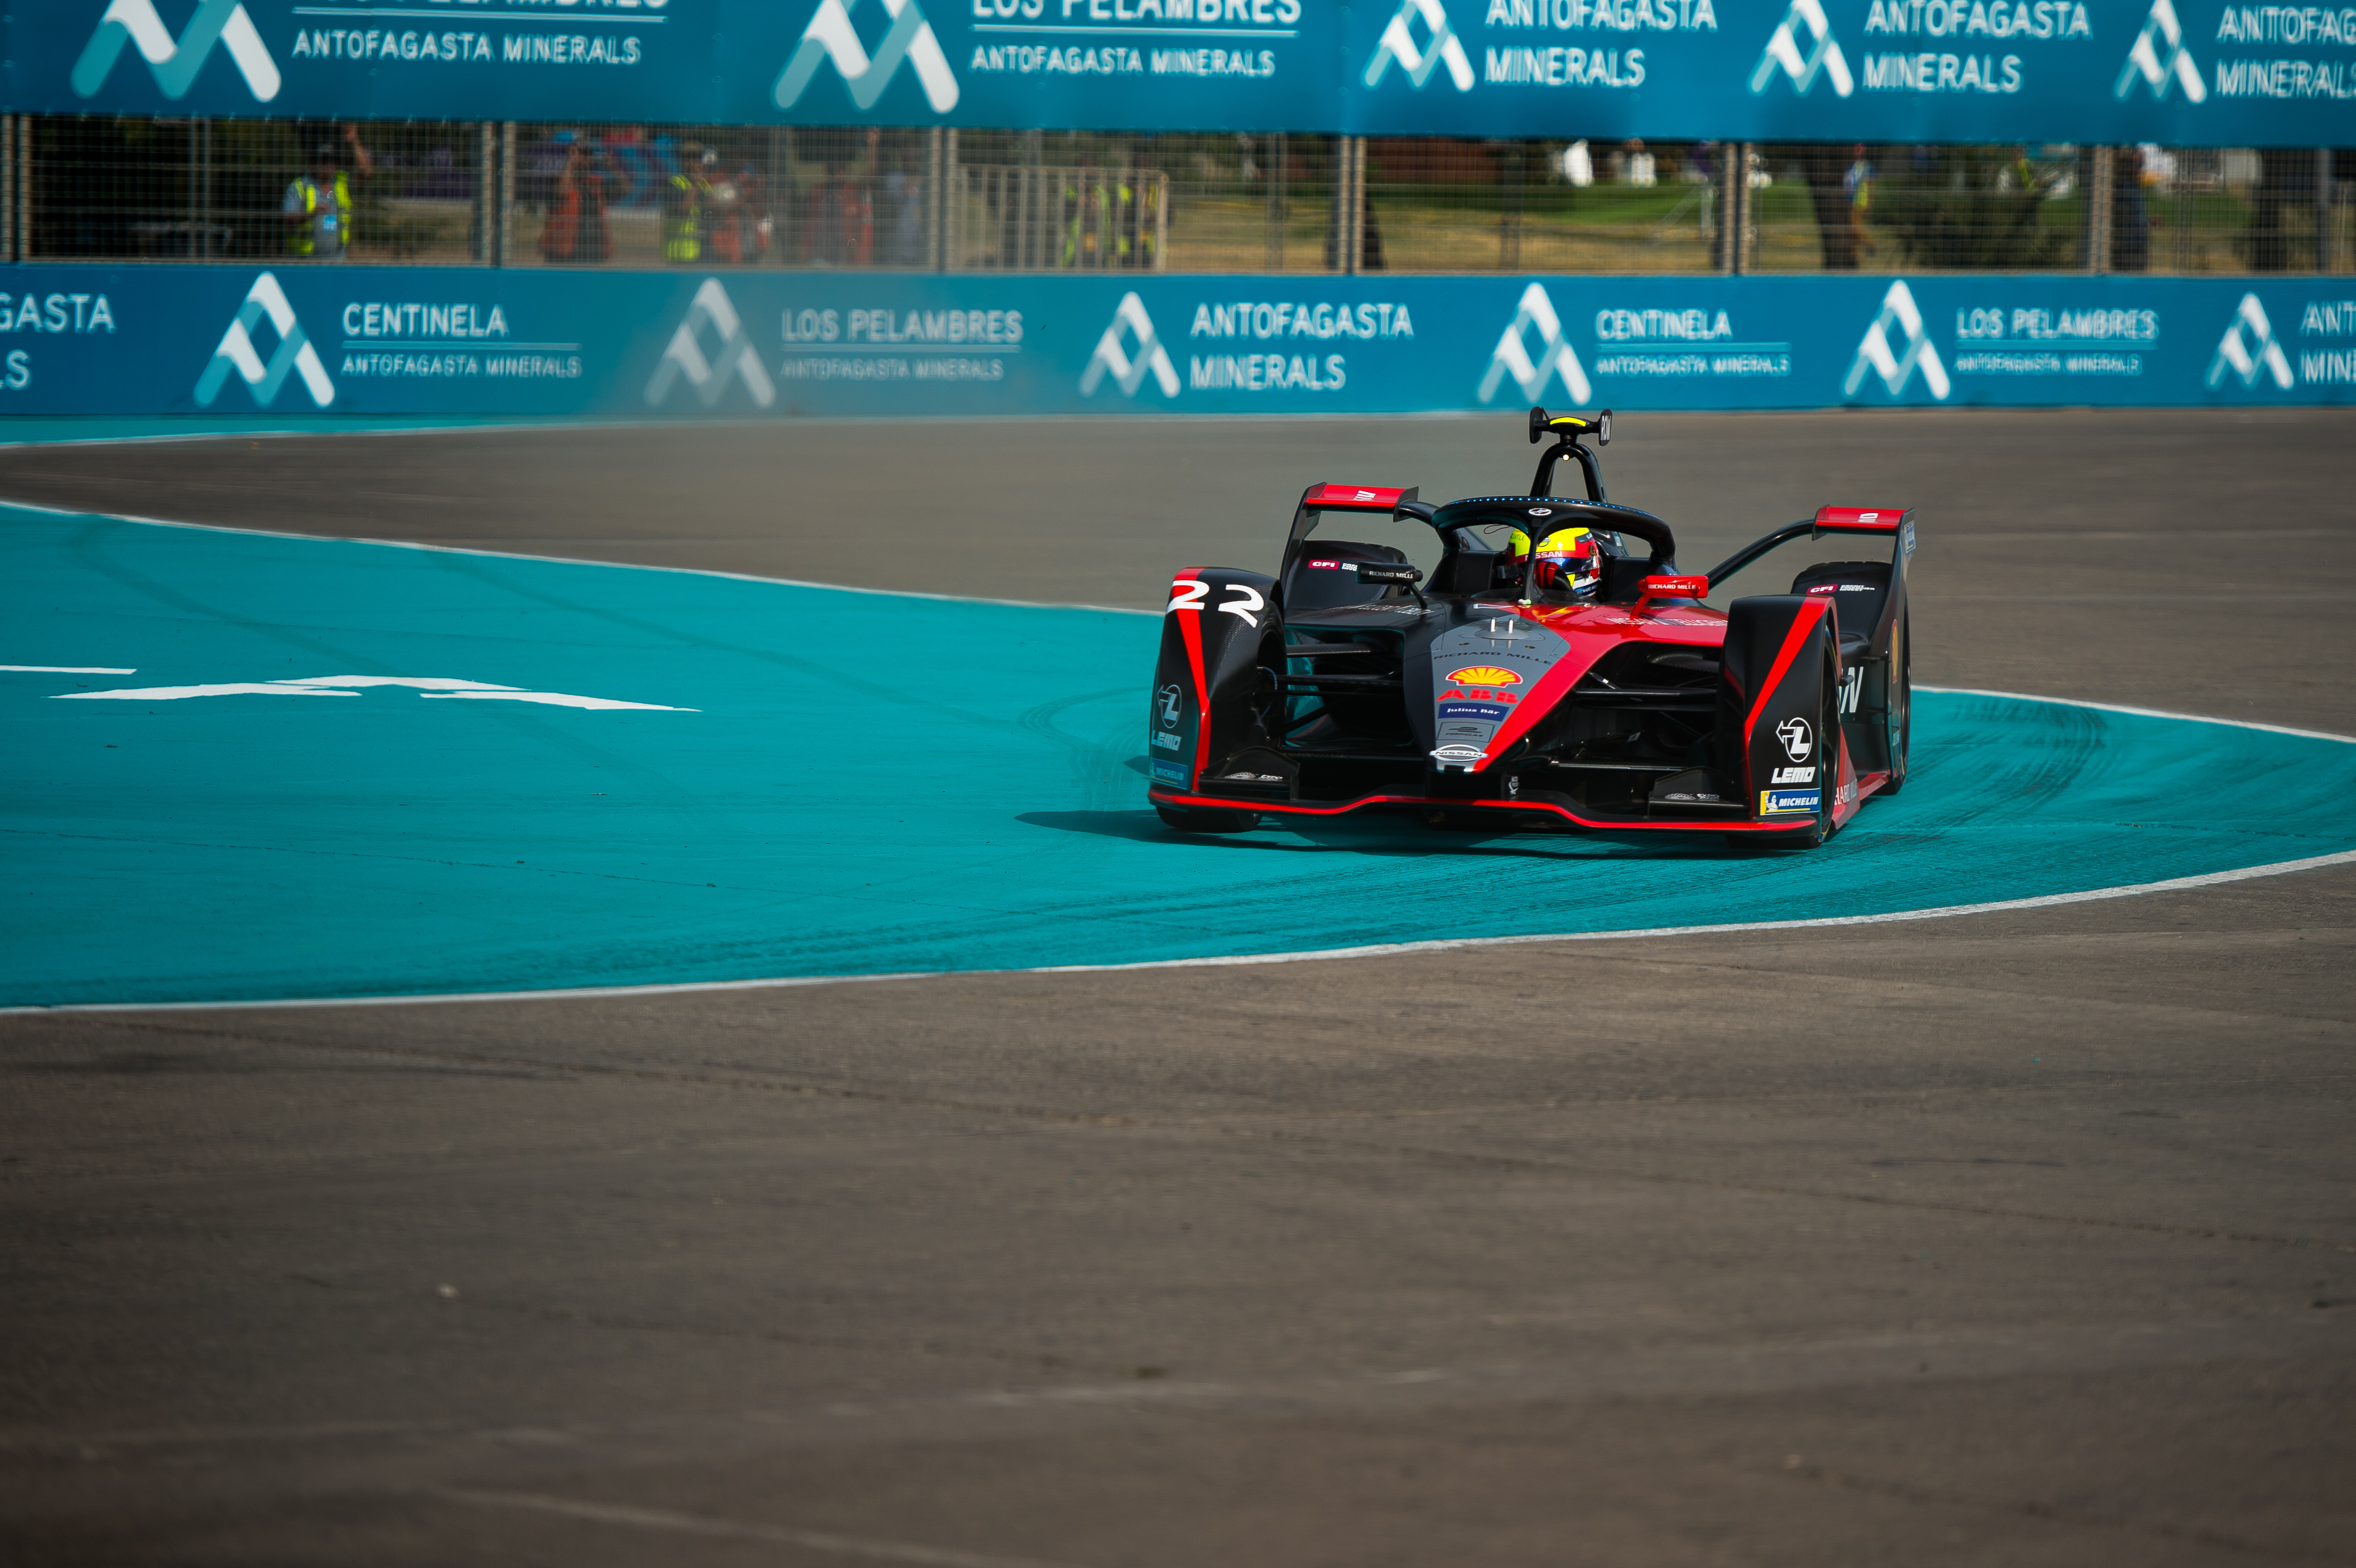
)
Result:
{"points": [[1660, 587]]}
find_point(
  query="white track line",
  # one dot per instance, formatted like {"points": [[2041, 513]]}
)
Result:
{"points": [[732, 1530], [67, 669], [1949, 911], [569, 560], [1372, 950]]}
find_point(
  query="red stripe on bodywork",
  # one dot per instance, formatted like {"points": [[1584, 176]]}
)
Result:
{"points": [[1802, 625], [1191, 628], [1535, 704]]}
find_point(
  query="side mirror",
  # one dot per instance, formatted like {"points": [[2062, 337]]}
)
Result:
{"points": [[1653, 588]]}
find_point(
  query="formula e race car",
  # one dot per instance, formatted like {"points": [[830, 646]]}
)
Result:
{"points": [[1543, 674]]}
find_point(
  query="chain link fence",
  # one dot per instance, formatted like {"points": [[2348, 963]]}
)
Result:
{"points": [[509, 194]]}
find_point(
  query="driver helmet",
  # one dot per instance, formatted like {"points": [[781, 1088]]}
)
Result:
{"points": [[1568, 567]]}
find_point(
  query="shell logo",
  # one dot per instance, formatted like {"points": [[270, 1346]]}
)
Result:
{"points": [[1483, 675]]}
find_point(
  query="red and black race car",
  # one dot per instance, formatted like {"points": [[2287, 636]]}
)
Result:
{"points": [[1556, 669]]}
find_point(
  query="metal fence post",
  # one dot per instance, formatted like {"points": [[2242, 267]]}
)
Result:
{"points": [[1358, 207], [935, 169], [2322, 209], [1349, 204], [1509, 208], [205, 194], [952, 203], [506, 195], [24, 194], [1162, 224], [7, 187], [1730, 204], [2102, 177], [485, 245], [1739, 234], [1274, 175]]}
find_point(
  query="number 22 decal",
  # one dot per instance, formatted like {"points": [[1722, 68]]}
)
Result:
{"points": [[1189, 595]]}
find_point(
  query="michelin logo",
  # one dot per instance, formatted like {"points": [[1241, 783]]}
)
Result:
{"points": [[710, 377], [830, 37], [2246, 356], [1129, 370], [1398, 43], [1824, 54], [176, 65], [2146, 59], [1899, 312], [1512, 355], [237, 352]]}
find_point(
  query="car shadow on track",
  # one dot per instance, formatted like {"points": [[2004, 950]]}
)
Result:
{"points": [[1381, 836]]}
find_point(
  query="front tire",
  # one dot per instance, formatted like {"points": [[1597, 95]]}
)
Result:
{"points": [[1193, 819], [1827, 766]]}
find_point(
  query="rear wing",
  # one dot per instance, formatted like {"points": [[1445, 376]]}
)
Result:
{"points": [[1322, 498], [1895, 524]]}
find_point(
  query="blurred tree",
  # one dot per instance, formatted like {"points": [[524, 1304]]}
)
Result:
{"points": [[1971, 208]]}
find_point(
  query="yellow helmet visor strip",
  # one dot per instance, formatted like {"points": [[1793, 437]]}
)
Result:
{"points": [[1564, 542]]}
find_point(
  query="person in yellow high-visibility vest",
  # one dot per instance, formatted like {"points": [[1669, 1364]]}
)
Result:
{"points": [[683, 217], [318, 209]]}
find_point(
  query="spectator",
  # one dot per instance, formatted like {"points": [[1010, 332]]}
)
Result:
{"points": [[318, 210], [576, 229], [683, 210], [1856, 187], [905, 193]]}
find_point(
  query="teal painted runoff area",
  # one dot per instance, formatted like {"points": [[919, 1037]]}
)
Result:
{"points": [[438, 788]]}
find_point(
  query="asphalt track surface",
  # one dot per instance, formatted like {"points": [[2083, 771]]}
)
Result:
{"points": [[2022, 1237]]}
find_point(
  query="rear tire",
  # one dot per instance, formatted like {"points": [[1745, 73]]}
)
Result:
{"points": [[1190, 819], [1900, 707]]}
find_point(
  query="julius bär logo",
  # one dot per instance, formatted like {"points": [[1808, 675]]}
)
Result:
{"points": [[2249, 348], [1512, 355], [265, 300], [2160, 57], [1128, 369], [830, 37], [735, 358], [1398, 43], [177, 63], [1823, 56], [1898, 366]]}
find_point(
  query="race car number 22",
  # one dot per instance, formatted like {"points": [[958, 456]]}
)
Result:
{"points": [[1185, 594]]}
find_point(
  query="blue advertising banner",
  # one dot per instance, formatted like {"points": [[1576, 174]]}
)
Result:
{"points": [[2199, 72], [298, 341]]}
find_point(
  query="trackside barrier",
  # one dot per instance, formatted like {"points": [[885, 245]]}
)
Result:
{"points": [[294, 341], [2194, 72]]}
